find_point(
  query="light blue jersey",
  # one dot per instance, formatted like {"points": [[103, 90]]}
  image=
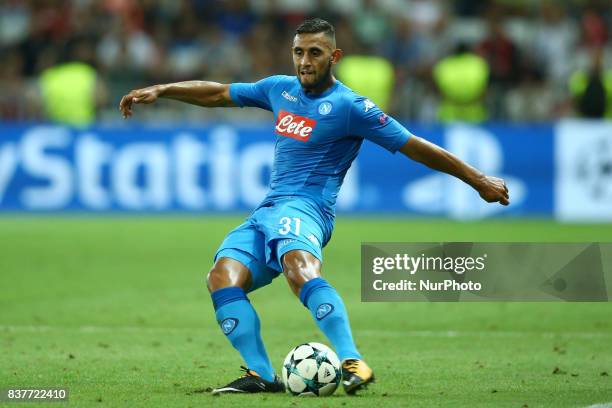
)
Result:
{"points": [[317, 139]]}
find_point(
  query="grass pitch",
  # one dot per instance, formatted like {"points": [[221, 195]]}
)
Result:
{"points": [[116, 310]]}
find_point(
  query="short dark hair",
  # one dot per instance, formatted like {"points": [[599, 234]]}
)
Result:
{"points": [[316, 25]]}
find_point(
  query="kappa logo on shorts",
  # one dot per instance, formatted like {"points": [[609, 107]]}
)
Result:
{"points": [[228, 325], [284, 242], [294, 126], [323, 310], [314, 240]]}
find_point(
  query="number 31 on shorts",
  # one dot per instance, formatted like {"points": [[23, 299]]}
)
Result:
{"points": [[289, 225]]}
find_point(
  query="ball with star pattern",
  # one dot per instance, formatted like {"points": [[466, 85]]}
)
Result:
{"points": [[311, 369]]}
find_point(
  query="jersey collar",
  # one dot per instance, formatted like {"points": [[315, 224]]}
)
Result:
{"points": [[327, 92]]}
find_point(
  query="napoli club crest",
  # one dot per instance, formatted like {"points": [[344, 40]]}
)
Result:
{"points": [[325, 108], [323, 310], [228, 325]]}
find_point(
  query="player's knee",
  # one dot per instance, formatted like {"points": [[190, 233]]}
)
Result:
{"points": [[228, 272], [215, 278], [299, 267]]}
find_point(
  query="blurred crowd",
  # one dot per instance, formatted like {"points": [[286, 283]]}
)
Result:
{"points": [[540, 57]]}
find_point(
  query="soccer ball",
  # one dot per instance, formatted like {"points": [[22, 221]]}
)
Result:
{"points": [[311, 369]]}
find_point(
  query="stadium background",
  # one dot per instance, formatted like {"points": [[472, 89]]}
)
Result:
{"points": [[108, 227]]}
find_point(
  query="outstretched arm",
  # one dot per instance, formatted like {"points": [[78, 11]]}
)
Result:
{"points": [[202, 93], [491, 189]]}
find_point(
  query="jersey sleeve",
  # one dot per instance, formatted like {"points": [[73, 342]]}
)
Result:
{"points": [[254, 94], [368, 121]]}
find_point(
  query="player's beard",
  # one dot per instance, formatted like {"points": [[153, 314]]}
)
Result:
{"points": [[324, 78]]}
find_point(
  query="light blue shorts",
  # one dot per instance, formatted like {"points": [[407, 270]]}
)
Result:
{"points": [[271, 231]]}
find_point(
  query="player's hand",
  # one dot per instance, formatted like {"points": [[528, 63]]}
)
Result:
{"points": [[144, 95], [493, 190]]}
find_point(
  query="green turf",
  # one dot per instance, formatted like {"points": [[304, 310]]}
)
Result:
{"points": [[116, 310]]}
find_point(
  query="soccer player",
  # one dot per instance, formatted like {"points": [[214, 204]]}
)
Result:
{"points": [[320, 125]]}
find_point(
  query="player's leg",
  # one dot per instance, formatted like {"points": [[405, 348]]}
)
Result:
{"points": [[236, 272], [228, 281], [303, 272], [295, 233]]}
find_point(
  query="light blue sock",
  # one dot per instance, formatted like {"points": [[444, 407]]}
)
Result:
{"points": [[330, 315], [240, 323]]}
